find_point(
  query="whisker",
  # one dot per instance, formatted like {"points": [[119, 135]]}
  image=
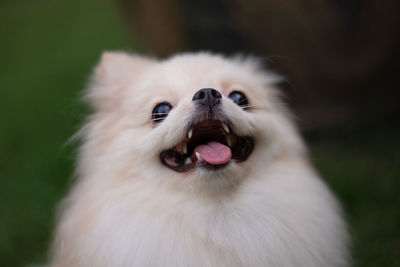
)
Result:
{"points": [[158, 119], [245, 106]]}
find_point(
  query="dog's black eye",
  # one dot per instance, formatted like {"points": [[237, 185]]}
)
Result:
{"points": [[160, 112], [240, 99]]}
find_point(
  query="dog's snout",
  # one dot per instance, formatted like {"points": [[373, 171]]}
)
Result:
{"points": [[207, 97]]}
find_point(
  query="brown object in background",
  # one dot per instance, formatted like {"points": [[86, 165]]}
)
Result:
{"points": [[332, 66], [340, 56], [157, 23]]}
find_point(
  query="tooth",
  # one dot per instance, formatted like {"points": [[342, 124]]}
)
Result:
{"points": [[198, 156], [188, 160], [180, 148], [184, 148], [226, 128], [228, 141], [190, 133]]}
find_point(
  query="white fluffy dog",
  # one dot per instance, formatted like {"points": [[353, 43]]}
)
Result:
{"points": [[193, 161]]}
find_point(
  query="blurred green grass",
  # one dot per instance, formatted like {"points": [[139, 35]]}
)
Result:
{"points": [[48, 49], [362, 166]]}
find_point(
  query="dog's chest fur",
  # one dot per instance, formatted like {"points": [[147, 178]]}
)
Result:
{"points": [[266, 224]]}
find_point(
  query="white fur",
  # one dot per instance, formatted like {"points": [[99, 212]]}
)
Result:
{"points": [[127, 209]]}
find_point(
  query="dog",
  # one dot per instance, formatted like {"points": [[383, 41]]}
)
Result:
{"points": [[194, 161]]}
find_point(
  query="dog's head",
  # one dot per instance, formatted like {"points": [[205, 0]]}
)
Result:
{"points": [[196, 120]]}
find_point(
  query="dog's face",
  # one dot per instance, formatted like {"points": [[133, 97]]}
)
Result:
{"points": [[194, 122]]}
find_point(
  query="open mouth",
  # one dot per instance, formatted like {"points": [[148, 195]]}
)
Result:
{"points": [[208, 144]]}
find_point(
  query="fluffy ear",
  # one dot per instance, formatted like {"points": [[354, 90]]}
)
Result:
{"points": [[115, 72]]}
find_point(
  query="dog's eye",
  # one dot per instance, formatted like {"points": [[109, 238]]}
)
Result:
{"points": [[240, 99], [160, 112]]}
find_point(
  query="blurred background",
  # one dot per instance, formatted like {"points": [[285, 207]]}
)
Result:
{"points": [[340, 59]]}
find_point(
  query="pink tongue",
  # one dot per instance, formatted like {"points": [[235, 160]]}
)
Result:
{"points": [[214, 153]]}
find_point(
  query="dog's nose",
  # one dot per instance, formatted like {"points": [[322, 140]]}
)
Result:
{"points": [[207, 97]]}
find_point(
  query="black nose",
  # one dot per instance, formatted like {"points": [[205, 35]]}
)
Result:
{"points": [[207, 97]]}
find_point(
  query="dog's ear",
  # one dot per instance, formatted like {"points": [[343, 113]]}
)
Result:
{"points": [[113, 75]]}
